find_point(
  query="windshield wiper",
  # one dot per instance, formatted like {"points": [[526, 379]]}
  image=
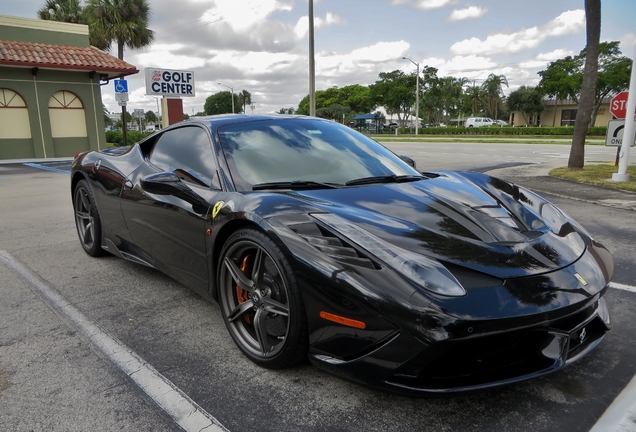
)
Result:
{"points": [[384, 179], [296, 184]]}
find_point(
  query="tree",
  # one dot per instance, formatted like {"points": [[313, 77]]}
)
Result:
{"points": [[588, 88], [219, 103], [394, 91], [613, 75], [334, 112], [451, 90], [124, 22], [528, 101], [107, 120], [150, 117], [355, 97], [563, 78], [69, 11], [290, 110], [244, 99], [473, 99], [430, 95], [492, 88]]}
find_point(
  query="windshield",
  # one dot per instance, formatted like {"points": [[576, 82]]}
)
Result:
{"points": [[289, 150]]}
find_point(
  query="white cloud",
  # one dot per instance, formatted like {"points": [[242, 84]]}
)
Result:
{"points": [[555, 55], [302, 26], [541, 60], [242, 15], [434, 4], [361, 60], [471, 65], [566, 23], [161, 56], [470, 12]]}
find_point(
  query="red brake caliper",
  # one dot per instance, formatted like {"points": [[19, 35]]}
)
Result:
{"points": [[242, 295]]}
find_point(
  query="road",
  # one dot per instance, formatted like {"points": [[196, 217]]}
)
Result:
{"points": [[52, 378]]}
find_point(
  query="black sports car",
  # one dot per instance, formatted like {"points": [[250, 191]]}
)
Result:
{"points": [[318, 242]]}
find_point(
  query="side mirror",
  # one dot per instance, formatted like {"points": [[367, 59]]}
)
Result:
{"points": [[163, 183], [408, 160], [168, 183]]}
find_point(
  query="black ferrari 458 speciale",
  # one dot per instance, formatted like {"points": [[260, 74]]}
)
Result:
{"points": [[317, 242]]}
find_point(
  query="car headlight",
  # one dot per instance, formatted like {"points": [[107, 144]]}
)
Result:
{"points": [[423, 271], [555, 218]]}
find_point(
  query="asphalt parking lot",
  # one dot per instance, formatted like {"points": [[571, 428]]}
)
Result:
{"points": [[52, 377]]}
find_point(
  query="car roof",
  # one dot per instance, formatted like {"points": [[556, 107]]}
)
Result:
{"points": [[220, 119]]}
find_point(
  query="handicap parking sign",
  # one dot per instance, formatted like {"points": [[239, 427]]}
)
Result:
{"points": [[121, 86]]}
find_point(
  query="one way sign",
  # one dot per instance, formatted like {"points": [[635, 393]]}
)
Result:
{"points": [[614, 137]]}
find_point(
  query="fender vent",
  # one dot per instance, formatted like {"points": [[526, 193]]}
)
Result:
{"points": [[332, 246]]}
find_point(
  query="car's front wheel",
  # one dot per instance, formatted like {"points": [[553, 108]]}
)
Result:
{"points": [[87, 221], [260, 302]]}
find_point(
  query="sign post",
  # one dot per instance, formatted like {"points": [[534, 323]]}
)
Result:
{"points": [[121, 95], [628, 134]]}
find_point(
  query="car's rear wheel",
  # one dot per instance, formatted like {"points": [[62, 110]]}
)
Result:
{"points": [[260, 302], [89, 227]]}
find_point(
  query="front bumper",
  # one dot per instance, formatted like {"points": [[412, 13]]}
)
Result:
{"points": [[475, 362]]}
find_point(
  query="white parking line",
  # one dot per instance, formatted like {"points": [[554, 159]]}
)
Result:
{"points": [[620, 416], [183, 410], [623, 287]]}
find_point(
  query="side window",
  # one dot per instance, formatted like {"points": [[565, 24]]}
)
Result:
{"points": [[187, 152]]}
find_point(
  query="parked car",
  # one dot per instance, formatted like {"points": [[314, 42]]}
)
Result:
{"points": [[318, 242], [500, 123], [479, 122]]}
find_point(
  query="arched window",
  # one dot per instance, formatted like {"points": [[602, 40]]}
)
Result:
{"points": [[14, 116], [67, 115]]}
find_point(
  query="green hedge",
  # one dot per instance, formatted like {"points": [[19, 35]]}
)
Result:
{"points": [[117, 138], [505, 130]]}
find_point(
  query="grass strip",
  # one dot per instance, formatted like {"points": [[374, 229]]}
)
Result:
{"points": [[600, 175]]}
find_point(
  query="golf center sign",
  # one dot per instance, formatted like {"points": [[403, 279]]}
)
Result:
{"points": [[167, 82]]}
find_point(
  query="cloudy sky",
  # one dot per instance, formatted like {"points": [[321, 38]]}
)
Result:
{"points": [[262, 45]]}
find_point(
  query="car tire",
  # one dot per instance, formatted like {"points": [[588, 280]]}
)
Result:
{"points": [[260, 301], [87, 221]]}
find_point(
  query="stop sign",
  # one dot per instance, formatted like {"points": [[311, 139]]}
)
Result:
{"points": [[618, 105]]}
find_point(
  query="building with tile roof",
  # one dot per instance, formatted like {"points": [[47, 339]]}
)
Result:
{"points": [[50, 94]]}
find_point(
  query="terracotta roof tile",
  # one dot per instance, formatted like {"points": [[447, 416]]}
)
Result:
{"points": [[29, 54]]}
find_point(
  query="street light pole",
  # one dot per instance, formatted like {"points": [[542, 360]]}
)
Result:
{"points": [[312, 65], [417, 95], [231, 93]]}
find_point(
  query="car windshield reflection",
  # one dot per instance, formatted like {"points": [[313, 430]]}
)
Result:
{"points": [[304, 150]]}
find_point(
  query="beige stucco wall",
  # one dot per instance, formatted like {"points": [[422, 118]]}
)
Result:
{"points": [[14, 123]]}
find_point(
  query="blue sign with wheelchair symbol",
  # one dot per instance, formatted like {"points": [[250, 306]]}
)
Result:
{"points": [[121, 86]]}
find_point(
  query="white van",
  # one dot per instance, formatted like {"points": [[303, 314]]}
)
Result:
{"points": [[479, 122]]}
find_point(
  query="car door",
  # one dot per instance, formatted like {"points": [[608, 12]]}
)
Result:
{"points": [[167, 220]]}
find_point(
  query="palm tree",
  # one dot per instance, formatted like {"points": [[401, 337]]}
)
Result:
{"points": [[69, 11], [473, 95], [245, 98], [451, 89], [493, 89], [124, 22], [588, 89]]}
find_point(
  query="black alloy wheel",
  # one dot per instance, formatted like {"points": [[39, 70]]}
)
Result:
{"points": [[260, 302], [89, 228]]}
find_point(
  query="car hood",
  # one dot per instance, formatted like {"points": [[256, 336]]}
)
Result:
{"points": [[467, 219]]}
